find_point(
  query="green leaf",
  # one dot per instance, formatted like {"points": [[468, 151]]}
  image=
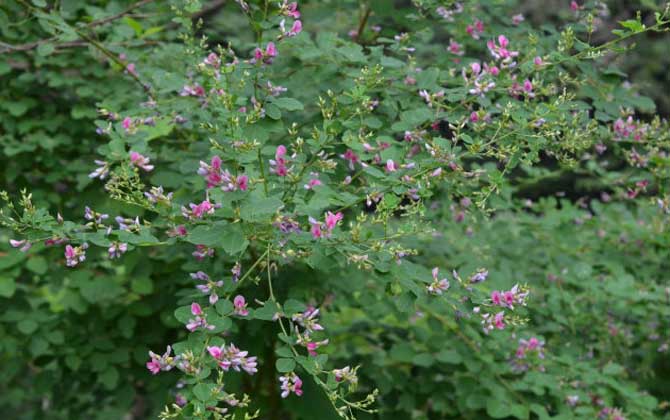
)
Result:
{"points": [[224, 307], [109, 378], [284, 365], [7, 287], [204, 391], [27, 326], [221, 235], [256, 209], [45, 48], [142, 285], [288, 104]]}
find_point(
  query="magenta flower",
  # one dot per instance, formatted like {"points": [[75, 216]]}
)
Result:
{"points": [[517, 19], [290, 9], [278, 164], [75, 255], [213, 60], [240, 306], [203, 251], [290, 383], [314, 182], [140, 161], [332, 220], [116, 249], [455, 48], [232, 357], [192, 90], [160, 363], [127, 123], [496, 298], [501, 52], [346, 374], [475, 30], [296, 28], [24, 245], [198, 211], [199, 321], [208, 287], [308, 320], [351, 157], [312, 346], [498, 320], [438, 286]]}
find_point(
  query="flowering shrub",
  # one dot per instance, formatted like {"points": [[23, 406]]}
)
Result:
{"points": [[343, 223]]}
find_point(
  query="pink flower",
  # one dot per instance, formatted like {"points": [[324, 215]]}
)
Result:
{"points": [[127, 123], [498, 320], [140, 161], [455, 48], [199, 321], [475, 30], [390, 166], [278, 164], [538, 61], [332, 220], [203, 251], [496, 298], [243, 182], [290, 383], [232, 357], [240, 306], [213, 60], [116, 249], [501, 52], [517, 19], [75, 255], [574, 6], [192, 90], [438, 286], [198, 211], [312, 346], [316, 228], [215, 351], [296, 28], [154, 366], [351, 157], [23, 245], [292, 10], [314, 182], [266, 56], [528, 88], [271, 50]]}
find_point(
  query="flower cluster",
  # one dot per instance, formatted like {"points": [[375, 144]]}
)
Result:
{"points": [[230, 357]]}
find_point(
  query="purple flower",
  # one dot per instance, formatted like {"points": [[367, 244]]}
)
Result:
{"points": [[240, 306], [101, 171], [438, 286], [233, 358], [24, 245], [75, 255], [290, 383], [117, 249], [140, 161]]}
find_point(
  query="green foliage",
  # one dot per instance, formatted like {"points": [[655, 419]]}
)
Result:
{"points": [[366, 150]]}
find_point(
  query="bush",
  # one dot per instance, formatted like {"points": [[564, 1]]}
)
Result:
{"points": [[401, 210]]}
